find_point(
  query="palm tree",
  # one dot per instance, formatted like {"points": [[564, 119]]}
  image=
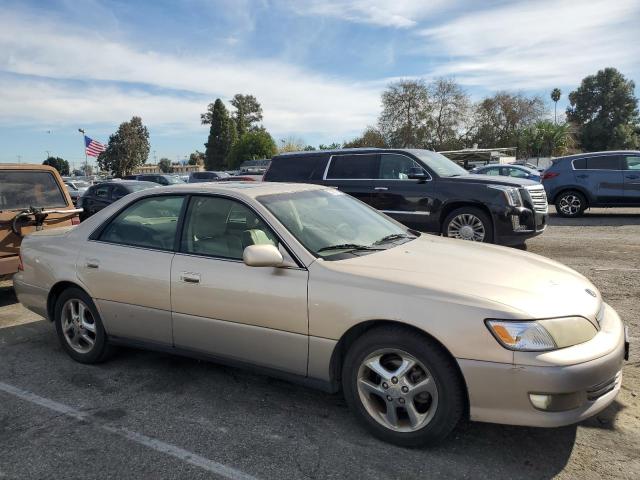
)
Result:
{"points": [[555, 96]]}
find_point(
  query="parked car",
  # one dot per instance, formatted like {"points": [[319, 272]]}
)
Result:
{"points": [[76, 188], [597, 179], [209, 176], [425, 191], [516, 171], [159, 178], [102, 194], [32, 197], [530, 165], [418, 330]]}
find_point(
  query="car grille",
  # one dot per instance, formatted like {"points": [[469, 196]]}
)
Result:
{"points": [[603, 388], [538, 198]]}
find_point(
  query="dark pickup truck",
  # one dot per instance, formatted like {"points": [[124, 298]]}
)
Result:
{"points": [[425, 191]]}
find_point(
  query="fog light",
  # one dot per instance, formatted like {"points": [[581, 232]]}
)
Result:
{"points": [[517, 226], [556, 402]]}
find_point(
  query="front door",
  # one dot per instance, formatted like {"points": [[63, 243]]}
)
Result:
{"points": [[225, 308], [602, 176], [631, 174], [127, 269], [353, 174], [394, 193]]}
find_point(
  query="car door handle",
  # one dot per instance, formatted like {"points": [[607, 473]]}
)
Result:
{"points": [[92, 263], [188, 277], [381, 189]]}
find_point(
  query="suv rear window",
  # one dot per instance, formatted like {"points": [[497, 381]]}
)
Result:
{"points": [[295, 169], [363, 166], [23, 189]]}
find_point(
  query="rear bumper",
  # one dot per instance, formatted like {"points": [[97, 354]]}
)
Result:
{"points": [[500, 393], [8, 265], [32, 297]]}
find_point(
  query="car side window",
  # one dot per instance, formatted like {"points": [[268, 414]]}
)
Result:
{"points": [[580, 164], [353, 167], [515, 172], [221, 227], [118, 192], [150, 223], [491, 171], [611, 162], [632, 162], [102, 191], [397, 167]]}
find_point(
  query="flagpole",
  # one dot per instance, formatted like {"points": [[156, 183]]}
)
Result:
{"points": [[84, 145]]}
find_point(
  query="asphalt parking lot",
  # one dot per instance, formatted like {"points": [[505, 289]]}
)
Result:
{"points": [[150, 415]]}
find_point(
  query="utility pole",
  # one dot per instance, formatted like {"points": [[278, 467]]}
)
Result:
{"points": [[84, 147], [19, 158]]}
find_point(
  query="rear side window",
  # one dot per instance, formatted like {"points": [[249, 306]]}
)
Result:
{"points": [[349, 167], [632, 163], [612, 162], [20, 189], [580, 164], [150, 223], [295, 169]]}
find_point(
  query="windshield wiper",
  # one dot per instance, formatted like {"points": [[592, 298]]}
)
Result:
{"points": [[348, 246], [393, 236]]}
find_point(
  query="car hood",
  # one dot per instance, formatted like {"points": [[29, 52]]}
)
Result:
{"points": [[491, 179], [531, 286]]}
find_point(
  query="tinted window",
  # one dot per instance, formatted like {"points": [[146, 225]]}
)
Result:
{"points": [[632, 163], [220, 227], [101, 191], [24, 189], [580, 164], [150, 222], [295, 169], [353, 166], [604, 163], [394, 166], [118, 192]]}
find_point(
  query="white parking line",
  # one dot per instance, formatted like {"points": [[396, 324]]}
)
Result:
{"points": [[149, 442]]}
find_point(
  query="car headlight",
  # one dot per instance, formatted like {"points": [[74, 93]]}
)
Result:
{"points": [[541, 335], [511, 194]]}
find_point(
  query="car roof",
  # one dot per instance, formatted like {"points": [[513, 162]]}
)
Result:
{"points": [[243, 189], [599, 154]]}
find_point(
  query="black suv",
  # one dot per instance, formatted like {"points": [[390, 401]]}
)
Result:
{"points": [[425, 191]]}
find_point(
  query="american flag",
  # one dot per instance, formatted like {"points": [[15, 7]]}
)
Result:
{"points": [[92, 147]]}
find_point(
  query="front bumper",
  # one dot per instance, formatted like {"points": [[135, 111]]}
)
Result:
{"points": [[514, 225], [500, 393]]}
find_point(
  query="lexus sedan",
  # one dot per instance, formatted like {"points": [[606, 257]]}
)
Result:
{"points": [[417, 331]]}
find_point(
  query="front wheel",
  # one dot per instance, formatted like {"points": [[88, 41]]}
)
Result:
{"points": [[402, 386], [468, 223]]}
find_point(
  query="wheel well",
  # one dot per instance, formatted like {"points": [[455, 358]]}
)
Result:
{"points": [[54, 293], [450, 207], [572, 189], [351, 335]]}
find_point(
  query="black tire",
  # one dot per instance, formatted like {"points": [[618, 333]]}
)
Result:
{"points": [[101, 349], [480, 214], [574, 198], [451, 392]]}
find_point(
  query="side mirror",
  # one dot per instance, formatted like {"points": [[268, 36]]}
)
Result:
{"points": [[417, 173], [262, 256]]}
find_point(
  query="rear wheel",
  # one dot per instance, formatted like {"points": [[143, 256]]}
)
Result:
{"points": [[570, 204], [402, 386], [468, 223], [79, 327]]}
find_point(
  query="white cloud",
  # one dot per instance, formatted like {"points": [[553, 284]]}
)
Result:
{"points": [[388, 13], [293, 99], [538, 44]]}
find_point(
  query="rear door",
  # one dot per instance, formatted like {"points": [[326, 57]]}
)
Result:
{"points": [[408, 201], [353, 173], [631, 165], [602, 176]]}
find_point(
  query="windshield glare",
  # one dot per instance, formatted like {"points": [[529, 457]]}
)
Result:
{"points": [[440, 164], [320, 219]]}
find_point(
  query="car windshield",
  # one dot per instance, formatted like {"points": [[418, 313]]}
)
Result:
{"points": [[440, 164], [330, 223], [173, 179]]}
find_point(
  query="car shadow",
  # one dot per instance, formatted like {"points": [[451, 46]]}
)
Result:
{"points": [[599, 218], [7, 294]]}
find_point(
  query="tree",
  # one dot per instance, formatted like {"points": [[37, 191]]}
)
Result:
{"points": [[331, 146], [371, 137], [222, 136], [60, 164], [450, 106], [127, 149], [309, 148], [497, 119], [248, 113], [196, 158], [544, 139], [292, 144], [605, 109], [405, 114], [165, 165], [253, 145], [555, 96]]}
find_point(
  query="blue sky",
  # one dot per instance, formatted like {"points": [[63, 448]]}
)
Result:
{"points": [[317, 66]]}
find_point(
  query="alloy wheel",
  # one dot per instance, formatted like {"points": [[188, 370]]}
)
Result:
{"points": [[570, 204], [397, 390], [466, 226], [78, 325]]}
